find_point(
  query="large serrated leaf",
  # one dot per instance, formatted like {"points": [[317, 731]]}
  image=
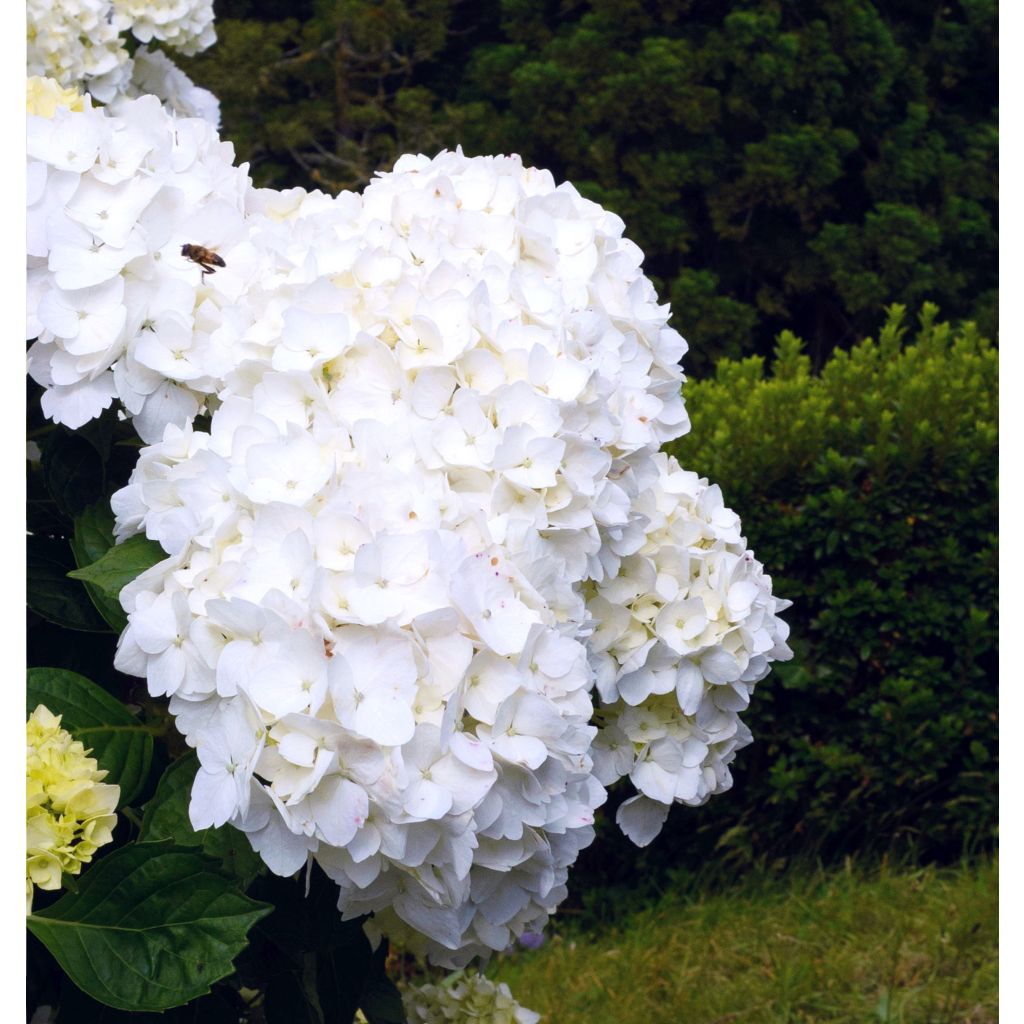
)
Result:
{"points": [[220, 1006], [119, 565], [166, 817], [152, 926], [94, 537], [118, 740]]}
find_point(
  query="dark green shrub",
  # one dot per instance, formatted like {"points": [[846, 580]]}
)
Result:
{"points": [[869, 492]]}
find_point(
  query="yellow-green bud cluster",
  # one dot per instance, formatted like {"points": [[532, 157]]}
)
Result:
{"points": [[44, 96], [70, 810], [465, 998]]}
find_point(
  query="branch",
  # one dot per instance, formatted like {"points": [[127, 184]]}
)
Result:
{"points": [[298, 158], [304, 58]]}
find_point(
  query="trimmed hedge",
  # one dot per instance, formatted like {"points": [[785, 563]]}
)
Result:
{"points": [[870, 494]]}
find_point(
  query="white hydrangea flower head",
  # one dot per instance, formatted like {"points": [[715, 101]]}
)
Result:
{"points": [[427, 518], [75, 41], [115, 309], [185, 25], [426, 528], [465, 998], [82, 43]]}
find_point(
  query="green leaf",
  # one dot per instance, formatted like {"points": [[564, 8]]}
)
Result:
{"points": [[50, 594], [120, 743], [166, 817], [73, 471], [94, 531], [381, 1002], [222, 1004], [94, 537], [152, 926], [119, 565], [291, 997]]}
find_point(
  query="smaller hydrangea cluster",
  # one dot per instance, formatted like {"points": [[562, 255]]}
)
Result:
{"points": [[75, 41], [185, 25], [82, 43], [465, 998], [686, 625], [111, 301], [70, 809]]}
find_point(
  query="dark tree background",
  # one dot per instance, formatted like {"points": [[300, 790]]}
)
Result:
{"points": [[782, 164]]}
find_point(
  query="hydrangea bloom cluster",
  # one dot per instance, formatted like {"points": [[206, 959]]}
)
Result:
{"points": [[75, 41], [427, 525], [464, 998], [687, 624], [82, 43], [70, 810], [395, 554], [185, 25], [112, 303]]}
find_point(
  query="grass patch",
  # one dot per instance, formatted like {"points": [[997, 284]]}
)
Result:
{"points": [[896, 946]]}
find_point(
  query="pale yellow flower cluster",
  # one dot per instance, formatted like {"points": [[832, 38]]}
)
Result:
{"points": [[44, 96], [70, 810], [465, 998]]}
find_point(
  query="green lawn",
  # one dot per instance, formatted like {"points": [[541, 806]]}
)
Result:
{"points": [[849, 946]]}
